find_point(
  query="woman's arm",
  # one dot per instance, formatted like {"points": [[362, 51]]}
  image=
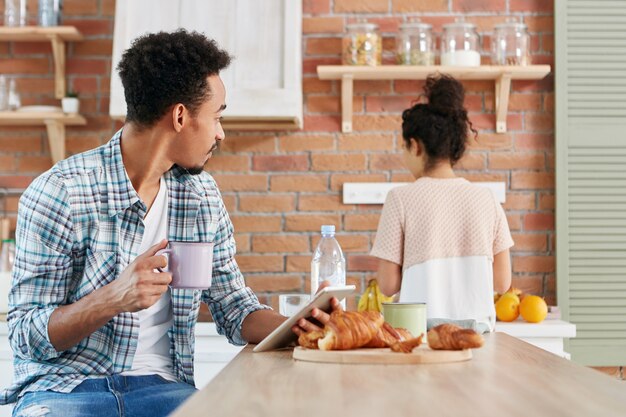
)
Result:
{"points": [[389, 277], [502, 272]]}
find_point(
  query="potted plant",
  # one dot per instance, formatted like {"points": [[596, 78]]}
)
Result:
{"points": [[70, 102]]}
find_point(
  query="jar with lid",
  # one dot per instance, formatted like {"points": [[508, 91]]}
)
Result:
{"points": [[510, 44], [460, 45], [362, 44], [414, 44]]}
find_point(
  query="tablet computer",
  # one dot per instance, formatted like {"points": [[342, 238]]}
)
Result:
{"points": [[282, 336]]}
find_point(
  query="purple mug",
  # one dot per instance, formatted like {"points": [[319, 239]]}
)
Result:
{"points": [[191, 264]]}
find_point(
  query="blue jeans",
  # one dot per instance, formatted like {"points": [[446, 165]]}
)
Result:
{"points": [[117, 395]]}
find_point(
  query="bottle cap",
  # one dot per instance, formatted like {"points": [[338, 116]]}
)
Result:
{"points": [[328, 229]]}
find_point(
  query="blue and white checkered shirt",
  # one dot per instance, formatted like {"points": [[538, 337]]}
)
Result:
{"points": [[79, 226]]}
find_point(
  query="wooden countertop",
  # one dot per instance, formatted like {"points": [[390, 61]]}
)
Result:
{"points": [[505, 377]]}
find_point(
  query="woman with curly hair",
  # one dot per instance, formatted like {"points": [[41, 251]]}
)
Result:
{"points": [[442, 240]]}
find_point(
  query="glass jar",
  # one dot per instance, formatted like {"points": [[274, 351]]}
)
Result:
{"points": [[362, 44], [510, 44], [414, 44], [460, 45]]}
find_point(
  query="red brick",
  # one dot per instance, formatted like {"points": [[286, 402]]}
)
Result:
{"points": [[372, 86], [529, 284], [306, 182], [316, 6], [107, 8], [91, 27], [546, 202], [532, 180], [525, 242], [362, 263], [11, 203], [324, 104], [471, 161], [376, 123], [35, 164], [536, 6], [402, 177], [230, 201], [247, 182], [267, 203], [310, 222], [384, 162], [243, 243], [429, 6], [7, 165], [386, 25], [260, 263], [39, 86], [315, 85], [382, 104], [80, 7], [540, 24], [280, 163], [415, 87], [341, 162], [25, 66], [514, 221], [539, 221], [359, 142], [93, 47], [467, 6], [337, 180], [323, 203], [82, 143], [539, 122], [274, 283], [30, 48], [484, 24], [87, 66], [298, 263], [547, 43], [366, 6], [548, 102], [322, 25], [520, 201], [361, 222], [474, 103], [309, 65], [85, 85], [280, 243], [256, 223], [323, 46], [306, 143], [528, 101], [228, 163], [322, 123], [534, 141], [534, 263], [249, 144], [485, 177], [31, 143], [490, 141], [516, 160], [485, 121]]}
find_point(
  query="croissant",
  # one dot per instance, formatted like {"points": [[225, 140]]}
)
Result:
{"points": [[309, 339], [451, 337], [387, 336], [350, 329]]}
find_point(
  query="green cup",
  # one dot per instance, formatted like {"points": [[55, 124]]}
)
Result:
{"points": [[411, 316]]}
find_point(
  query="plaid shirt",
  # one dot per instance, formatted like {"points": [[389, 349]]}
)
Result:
{"points": [[79, 226]]}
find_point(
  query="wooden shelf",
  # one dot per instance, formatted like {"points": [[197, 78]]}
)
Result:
{"points": [[57, 35], [55, 123], [502, 75]]}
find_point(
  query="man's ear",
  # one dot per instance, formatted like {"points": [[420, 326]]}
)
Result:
{"points": [[179, 117]]}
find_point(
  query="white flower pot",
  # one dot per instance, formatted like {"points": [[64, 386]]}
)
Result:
{"points": [[70, 105]]}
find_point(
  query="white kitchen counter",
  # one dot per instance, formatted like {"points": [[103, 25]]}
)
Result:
{"points": [[548, 334]]}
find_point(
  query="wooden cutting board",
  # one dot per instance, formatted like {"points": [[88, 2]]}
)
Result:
{"points": [[422, 354]]}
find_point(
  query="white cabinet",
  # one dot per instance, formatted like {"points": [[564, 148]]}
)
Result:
{"points": [[213, 352], [264, 81], [547, 335]]}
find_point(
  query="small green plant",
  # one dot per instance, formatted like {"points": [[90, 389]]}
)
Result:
{"points": [[72, 94]]}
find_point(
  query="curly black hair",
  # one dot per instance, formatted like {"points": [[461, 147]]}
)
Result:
{"points": [[162, 69], [441, 124]]}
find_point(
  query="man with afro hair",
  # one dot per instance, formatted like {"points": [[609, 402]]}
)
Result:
{"points": [[95, 328]]}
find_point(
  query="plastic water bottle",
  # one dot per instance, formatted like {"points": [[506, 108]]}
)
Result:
{"points": [[328, 263]]}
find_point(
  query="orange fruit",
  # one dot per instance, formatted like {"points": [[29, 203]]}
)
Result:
{"points": [[507, 307], [533, 309]]}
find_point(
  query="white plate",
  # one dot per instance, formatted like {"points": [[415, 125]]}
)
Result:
{"points": [[39, 109]]}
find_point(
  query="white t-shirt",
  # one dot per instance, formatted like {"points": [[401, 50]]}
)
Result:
{"points": [[153, 346], [444, 233]]}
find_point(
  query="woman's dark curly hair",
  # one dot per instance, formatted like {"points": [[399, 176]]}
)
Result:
{"points": [[162, 69], [441, 124]]}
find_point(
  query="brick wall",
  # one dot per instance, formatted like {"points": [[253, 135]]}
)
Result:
{"points": [[280, 187]]}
